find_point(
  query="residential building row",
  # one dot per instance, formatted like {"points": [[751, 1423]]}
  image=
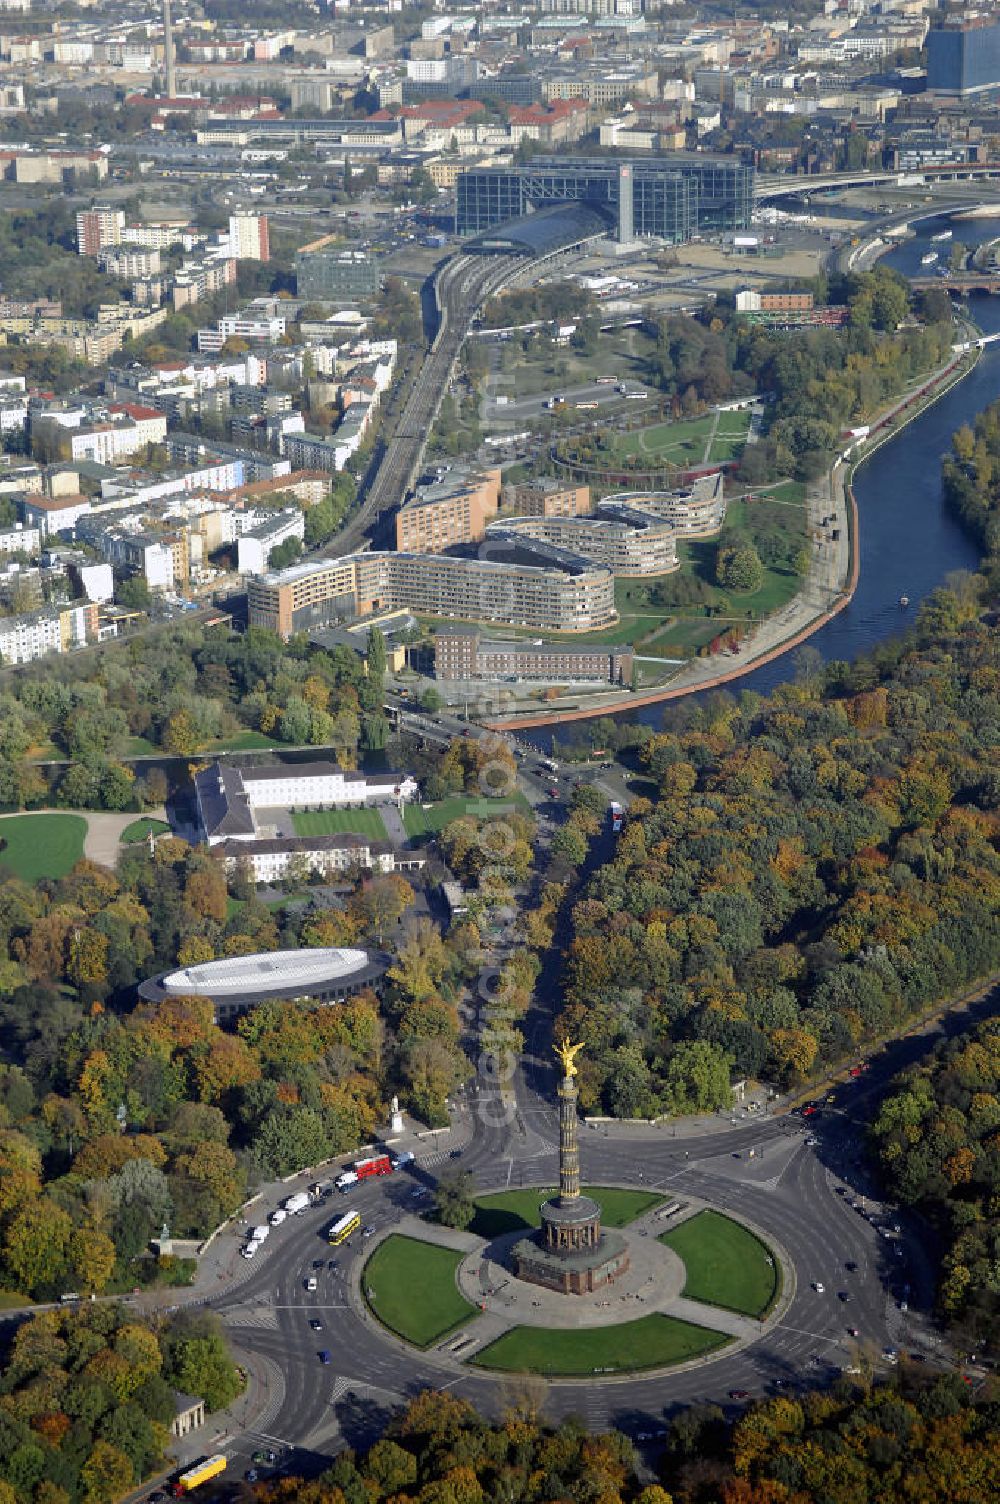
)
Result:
{"points": [[532, 585], [623, 539], [52, 629]]}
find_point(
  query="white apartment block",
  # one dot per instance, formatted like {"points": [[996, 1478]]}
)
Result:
{"points": [[118, 262], [263, 330], [105, 443], [20, 540], [24, 638], [257, 543], [54, 514], [159, 234], [248, 237]]}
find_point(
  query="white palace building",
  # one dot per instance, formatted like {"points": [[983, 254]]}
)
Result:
{"points": [[230, 800]]}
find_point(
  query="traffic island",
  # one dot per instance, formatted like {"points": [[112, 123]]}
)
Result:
{"points": [[630, 1347], [409, 1286], [553, 1291], [727, 1264]]}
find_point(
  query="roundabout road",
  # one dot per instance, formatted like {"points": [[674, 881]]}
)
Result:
{"points": [[788, 1190], [805, 1187]]}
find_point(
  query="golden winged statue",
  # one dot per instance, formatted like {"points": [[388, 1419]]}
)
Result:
{"points": [[567, 1054]]}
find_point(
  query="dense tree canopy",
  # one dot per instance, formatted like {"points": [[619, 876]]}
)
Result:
{"points": [[87, 1398], [937, 1136], [808, 871], [181, 689]]}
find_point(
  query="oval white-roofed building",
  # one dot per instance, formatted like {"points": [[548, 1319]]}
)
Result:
{"points": [[236, 983]]}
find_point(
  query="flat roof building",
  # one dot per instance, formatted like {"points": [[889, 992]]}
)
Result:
{"points": [[622, 538], [329, 271], [694, 511], [963, 55], [454, 510], [546, 497], [533, 586], [466, 656]]}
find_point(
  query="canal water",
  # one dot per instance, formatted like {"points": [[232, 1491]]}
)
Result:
{"points": [[909, 540]]}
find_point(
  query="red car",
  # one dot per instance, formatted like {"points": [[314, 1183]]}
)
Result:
{"points": [[808, 1112]]}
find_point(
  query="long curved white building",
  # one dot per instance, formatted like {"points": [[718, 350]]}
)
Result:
{"points": [[236, 983]]}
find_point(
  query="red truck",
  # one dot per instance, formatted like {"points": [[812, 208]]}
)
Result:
{"points": [[379, 1164]]}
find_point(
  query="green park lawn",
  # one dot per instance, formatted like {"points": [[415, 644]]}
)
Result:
{"points": [[330, 822], [651, 1342], [726, 1264], [37, 846], [410, 1286], [419, 821], [509, 1211], [730, 437], [137, 746], [243, 741], [678, 443], [139, 830]]}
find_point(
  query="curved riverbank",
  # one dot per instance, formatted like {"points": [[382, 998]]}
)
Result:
{"points": [[764, 649]]}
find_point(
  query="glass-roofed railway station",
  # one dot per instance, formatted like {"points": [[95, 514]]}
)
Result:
{"points": [[671, 198]]}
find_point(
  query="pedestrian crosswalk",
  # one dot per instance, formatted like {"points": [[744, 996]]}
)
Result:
{"points": [[429, 1161], [263, 1318], [344, 1385]]}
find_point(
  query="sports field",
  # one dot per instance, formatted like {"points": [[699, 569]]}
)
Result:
{"points": [[651, 1342], [726, 1264], [35, 846], [410, 1286], [331, 822]]}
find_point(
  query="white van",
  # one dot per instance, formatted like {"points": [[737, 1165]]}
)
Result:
{"points": [[277, 1216], [251, 1249]]}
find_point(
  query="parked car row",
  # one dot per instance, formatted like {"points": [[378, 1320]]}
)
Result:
{"points": [[295, 1205]]}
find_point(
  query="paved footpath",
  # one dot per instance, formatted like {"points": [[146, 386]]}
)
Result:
{"points": [[102, 843]]}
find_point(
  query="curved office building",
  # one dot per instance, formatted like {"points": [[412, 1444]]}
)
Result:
{"points": [[236, 983]]}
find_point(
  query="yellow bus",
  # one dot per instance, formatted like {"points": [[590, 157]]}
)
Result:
{"points": [[200, 1473], [341, 1230]]}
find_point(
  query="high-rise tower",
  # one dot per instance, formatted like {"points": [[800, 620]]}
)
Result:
{"points": [[168, 52]]}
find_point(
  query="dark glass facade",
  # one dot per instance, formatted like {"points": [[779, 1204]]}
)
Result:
{"points": [[333, 273], [964, 58], [673, 198]]}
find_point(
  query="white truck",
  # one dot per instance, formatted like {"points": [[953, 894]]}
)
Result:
{"points": [[258, 1234], [297, 1203], [346, 1180], [277, 1216]]}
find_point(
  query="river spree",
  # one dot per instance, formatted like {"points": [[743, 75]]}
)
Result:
{"points": [[909, 541]]}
